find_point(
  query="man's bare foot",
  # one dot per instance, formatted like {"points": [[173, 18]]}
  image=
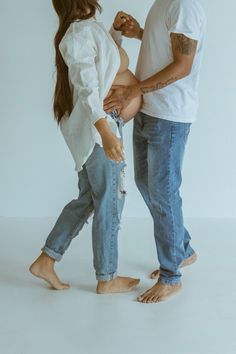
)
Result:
{"points": [[43, 268], [159, 292], [190, 260], [117, 285]]}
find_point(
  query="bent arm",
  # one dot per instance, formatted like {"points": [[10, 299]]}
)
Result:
{"points": [[79, 54], [184, 50], [127, 26]]}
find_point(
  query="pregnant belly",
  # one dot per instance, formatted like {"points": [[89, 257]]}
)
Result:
{"points": [[127, 78]]}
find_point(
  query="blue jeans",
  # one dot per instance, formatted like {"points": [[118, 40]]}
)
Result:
{"points": [[159, 147], [101, 192]]}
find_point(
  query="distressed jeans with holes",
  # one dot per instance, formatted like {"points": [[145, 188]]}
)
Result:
{"points": [[100, 192], [159, 147]]}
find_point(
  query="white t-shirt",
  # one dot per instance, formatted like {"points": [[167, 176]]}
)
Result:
{"points": [[179, 101]]}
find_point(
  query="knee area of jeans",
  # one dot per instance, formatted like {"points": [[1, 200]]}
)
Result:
{"points": [[160, 206]]}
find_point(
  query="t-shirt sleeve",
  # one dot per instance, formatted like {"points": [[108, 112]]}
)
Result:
{"points": [[79, 53], [185, 17]]}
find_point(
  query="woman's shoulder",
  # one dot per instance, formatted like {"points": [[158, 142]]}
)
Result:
{"points": [[85, 28], [81, 36]]}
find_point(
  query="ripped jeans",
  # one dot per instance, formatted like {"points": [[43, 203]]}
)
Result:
{"points": [[101, 192]]}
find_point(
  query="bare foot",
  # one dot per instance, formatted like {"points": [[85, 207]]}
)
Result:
{"points": [[190, 260], [117, 285], [159, 292], [43, 268]]}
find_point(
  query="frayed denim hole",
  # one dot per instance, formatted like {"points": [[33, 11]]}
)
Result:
{"points": [[121, 190]]}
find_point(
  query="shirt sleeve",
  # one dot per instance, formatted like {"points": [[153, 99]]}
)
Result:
{"points": [[185, 17], [116, 35], [79, 53]]}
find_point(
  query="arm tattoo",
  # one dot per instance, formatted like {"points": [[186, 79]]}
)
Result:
{"points": [[158, 86], [183, 44]]}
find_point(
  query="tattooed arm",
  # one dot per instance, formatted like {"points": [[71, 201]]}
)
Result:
{"points": [[184, 50]]}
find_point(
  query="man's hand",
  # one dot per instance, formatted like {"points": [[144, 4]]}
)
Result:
{"points": [[128, 25], [120, 19], [120, 97], [131, 28]]}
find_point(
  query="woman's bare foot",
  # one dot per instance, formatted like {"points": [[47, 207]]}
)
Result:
{"points": [[190, 260], [159, 292], [117, 285], [43, 268]]}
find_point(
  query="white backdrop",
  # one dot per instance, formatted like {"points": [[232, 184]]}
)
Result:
{"points": [[37, 172]]}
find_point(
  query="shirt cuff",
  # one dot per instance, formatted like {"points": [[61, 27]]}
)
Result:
{"points": [[116, 35], [96, 116], [186, 32]]}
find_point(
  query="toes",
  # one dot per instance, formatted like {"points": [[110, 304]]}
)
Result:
{"points": [[141, 297], [66, 286], [155, 299], [147, 299], [144, 298], [151, 299]]}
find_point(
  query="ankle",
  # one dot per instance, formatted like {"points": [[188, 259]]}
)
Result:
{"points": [[46, 259]]}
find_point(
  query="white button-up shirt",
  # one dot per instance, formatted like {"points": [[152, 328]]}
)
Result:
{"points": [[93, 61]]}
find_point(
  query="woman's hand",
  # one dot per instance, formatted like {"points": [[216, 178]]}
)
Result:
{"points": [[112, 146]]}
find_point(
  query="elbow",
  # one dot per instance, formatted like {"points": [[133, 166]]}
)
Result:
{"points": [[187, 71], [184, 69]]}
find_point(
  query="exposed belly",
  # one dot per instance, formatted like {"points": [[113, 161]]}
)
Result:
{"points": [[126, 77]]}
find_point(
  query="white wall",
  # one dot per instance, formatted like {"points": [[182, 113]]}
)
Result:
{"points": [[37, 172]]}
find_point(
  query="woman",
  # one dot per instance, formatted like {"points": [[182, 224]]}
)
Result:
{"points": [[88, 62]]}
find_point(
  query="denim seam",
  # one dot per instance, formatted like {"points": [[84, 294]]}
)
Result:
{"points": [[168, 190], [113, 216]]}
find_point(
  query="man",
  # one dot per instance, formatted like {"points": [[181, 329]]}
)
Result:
{"points": [[168, 70]]}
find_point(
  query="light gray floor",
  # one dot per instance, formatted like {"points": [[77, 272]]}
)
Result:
{"points": [[35, 319]]}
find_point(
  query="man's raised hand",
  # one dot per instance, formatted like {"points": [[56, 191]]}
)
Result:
{"points": [[128, 25]]}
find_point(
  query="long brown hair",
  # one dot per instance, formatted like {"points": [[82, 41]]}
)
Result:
{"points": [[68, 11]]}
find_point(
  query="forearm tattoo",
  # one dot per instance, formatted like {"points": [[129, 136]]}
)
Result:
{"points": [[158, 86], [183, 44]]}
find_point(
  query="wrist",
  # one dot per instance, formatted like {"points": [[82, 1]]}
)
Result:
{"points": [[102, 127], [136, 91], [140, 36], [115, 28]]}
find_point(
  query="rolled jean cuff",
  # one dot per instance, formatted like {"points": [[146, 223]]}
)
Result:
{"points": [[52, 254], [169, 281], [106, 277]]}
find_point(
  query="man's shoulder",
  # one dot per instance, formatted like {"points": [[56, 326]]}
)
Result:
{"points": [[187, 6], [186, 3]]}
